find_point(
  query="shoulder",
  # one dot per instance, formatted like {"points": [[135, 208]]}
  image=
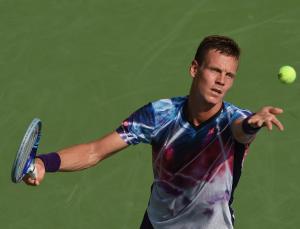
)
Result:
{"points": [[170, 104], [160, 109], [166, 109]]}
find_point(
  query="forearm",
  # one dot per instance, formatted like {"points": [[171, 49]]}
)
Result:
{"points": [[78, 157], [83, 156]]}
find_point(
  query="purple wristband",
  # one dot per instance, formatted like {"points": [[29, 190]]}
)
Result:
{"points": [[247, 128], [51, 161]]}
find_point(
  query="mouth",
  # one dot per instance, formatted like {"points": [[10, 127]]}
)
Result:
{"points": [[216, 90]]}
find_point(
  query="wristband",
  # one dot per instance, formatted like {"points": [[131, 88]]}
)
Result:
{"points": [[51, 161], [247, 128]]}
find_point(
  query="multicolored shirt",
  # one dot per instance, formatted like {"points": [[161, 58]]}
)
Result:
{"points": [[196, 169]]}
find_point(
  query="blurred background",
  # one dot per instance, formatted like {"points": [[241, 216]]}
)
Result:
{"points": [[84, 66]]}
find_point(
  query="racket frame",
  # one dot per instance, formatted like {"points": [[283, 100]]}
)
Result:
{"points": [[27, 161]]}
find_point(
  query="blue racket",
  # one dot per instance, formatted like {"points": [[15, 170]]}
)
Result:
{"points": [[24, 162]]}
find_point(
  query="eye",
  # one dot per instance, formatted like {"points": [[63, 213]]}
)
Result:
{"points": [[230, 75], [215, 70]]}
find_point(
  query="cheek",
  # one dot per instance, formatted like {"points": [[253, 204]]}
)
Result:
{"points": [[203, 84], [207, 78], [229, 84]]}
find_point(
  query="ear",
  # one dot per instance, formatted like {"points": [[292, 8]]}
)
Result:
{"points": [[194, 68]]}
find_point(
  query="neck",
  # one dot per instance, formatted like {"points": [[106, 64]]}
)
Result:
{"points": [[198, 111]]}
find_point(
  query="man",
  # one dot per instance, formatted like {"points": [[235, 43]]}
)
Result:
{"points": [[198, 143]]}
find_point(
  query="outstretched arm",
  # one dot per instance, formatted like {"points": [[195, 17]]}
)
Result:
{"points": [[87, 155], [81, 156], [244, 130]]}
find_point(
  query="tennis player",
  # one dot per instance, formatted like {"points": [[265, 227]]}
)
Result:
{"points": [[199, 143]]}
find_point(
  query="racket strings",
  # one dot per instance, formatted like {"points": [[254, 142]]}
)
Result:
{"points": [[24, 161], [29, 143]]}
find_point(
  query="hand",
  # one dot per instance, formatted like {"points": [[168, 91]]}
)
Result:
{"points": [[40, 171], [267, 117]]}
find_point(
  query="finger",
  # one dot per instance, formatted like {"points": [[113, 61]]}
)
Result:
{"points": [[278, 124], [28, 180], [276, 110], [31, 181], [268, 124], [253, 121], [260, 123]]}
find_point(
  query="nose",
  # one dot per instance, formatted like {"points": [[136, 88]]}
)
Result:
{"points": [[221, 79]]}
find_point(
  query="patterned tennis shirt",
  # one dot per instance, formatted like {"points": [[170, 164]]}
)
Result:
{"points": [[196, 169]]}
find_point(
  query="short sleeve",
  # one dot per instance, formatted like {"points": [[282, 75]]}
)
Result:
{"points": [[240, 113], [139, 126]]}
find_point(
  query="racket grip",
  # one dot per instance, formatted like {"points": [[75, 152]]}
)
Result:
{"points": [[32, 171]]}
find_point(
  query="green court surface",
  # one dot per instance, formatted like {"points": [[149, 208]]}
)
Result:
{"points": [[84, 66]]}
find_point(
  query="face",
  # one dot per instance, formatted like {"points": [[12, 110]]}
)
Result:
{"points": [[214, 77]]}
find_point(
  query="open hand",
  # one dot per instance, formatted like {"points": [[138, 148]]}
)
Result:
{"points": [[267, 117]]}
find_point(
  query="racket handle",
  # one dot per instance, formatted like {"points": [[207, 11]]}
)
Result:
{"points": [[32, 171]]}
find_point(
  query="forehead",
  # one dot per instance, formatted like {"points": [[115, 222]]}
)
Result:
{"points": [[218, 59]]}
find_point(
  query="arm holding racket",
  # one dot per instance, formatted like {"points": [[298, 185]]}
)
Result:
{"points": [[81, 156], [244, 130]]}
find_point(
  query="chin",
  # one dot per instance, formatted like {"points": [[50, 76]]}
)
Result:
{"points": [[214, 101]]}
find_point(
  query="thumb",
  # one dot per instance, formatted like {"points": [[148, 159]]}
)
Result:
{"points": [[36, 182]]}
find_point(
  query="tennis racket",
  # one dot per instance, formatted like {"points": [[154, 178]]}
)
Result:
{"points": [[25, 157]]}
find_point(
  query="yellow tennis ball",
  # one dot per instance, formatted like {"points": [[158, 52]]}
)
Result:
{"points": [[287, 74]]}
